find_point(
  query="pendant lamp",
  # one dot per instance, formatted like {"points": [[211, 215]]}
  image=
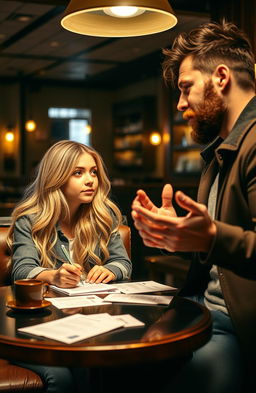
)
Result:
{"points": [[118, 18]]}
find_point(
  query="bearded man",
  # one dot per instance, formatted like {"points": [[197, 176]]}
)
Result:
{"points": [[213, 67]]}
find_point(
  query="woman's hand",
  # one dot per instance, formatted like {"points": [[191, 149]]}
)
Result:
{"points": [[67, 276], [100, 274]]}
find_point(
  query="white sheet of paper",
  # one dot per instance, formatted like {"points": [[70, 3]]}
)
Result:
{"points": [[74, 327], [143, 287], [139, 299], [85, 288], [127, 319], [76, 301]]}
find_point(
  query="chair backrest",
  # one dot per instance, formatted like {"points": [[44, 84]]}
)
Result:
{"points": [[125, 233], [5, 271]]}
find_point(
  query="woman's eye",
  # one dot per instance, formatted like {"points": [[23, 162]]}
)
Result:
{"points": [[77, 173], [94, 172]]}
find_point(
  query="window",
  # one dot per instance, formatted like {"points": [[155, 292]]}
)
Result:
{"points": [[68, 113], [78, 131], [70, 123]]}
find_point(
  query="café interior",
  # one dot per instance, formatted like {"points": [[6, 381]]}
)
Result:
{"points": [[108, 91], [104, 91]]}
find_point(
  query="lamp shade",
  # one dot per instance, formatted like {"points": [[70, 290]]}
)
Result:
{"points": [[118, 18]]}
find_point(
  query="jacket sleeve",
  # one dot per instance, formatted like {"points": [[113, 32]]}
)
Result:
{"points": [[25, 260], [234, 247], [118, 261]]}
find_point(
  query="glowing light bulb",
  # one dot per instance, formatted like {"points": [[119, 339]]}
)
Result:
{"points": [[9, 136], [123, 11], [155, 138], [30, 125]]}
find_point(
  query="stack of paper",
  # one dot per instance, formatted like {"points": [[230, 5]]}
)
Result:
{"points": [[81, 327], [127, 287]]}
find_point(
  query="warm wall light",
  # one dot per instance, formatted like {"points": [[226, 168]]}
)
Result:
{"points": [[155, 138], [30, 125], [9, 136], [88, 129], [118, 18]]}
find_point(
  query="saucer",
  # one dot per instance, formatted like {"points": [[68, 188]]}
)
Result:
{"points": [[12, 304]]}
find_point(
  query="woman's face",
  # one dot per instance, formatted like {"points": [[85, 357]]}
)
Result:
{"points": [[82, 185]]}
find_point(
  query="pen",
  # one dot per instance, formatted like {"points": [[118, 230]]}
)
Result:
{"points": [[69, 259]]}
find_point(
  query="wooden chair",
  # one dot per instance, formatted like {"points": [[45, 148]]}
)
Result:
{"points": [[125, 233], [14, 378], [5, 274]]}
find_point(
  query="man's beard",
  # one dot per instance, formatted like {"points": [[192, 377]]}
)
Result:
{"points": [[207, 117]]}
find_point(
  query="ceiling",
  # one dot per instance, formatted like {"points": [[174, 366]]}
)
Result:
{"points": [[34, 46]]}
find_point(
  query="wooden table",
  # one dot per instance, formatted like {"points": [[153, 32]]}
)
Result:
{"points": [[170, 332]]}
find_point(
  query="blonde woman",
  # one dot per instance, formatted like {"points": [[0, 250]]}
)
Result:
{"points": [[68, 205]]}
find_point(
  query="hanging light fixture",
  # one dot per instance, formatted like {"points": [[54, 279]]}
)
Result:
{"points": [[118, 18]]}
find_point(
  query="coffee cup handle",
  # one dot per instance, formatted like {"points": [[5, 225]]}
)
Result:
{"points": [[45, 288]]}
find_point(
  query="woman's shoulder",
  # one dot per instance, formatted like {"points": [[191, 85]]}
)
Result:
{"points": [[22, 226], [24, 221]]}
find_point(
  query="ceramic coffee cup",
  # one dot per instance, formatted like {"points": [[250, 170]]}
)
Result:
{"points": [[29, 292]]}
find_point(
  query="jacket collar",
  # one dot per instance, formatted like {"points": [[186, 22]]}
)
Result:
{"points": [[232, 141]]}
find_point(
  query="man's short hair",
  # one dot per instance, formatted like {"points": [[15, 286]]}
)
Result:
{"points": [[209, 45]]}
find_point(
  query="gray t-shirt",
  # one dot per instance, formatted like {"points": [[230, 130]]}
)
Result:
{"points": [[213, 297]]}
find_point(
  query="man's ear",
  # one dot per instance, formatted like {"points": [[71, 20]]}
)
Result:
{"points": [[221, 77]]}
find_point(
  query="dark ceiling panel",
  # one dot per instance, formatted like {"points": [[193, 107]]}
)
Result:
{"points": [[76, 70], [20, 67], [40, 49]]}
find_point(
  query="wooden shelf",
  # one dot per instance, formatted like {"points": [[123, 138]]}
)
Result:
{"points": [[185, 155], [132, 123]]}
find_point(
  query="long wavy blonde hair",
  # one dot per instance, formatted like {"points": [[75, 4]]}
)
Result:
{"points": [[45, 203]]}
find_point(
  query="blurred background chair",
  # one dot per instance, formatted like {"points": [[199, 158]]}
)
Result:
{"points": [[167, 269]]}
